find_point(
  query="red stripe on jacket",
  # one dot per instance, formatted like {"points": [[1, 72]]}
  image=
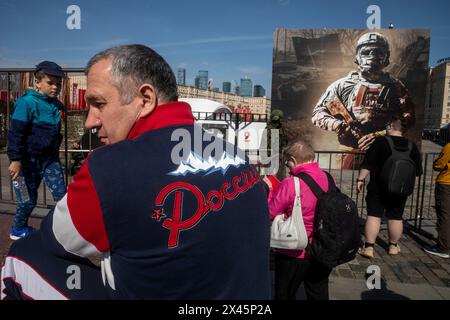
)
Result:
{"points": [[85, 210]]}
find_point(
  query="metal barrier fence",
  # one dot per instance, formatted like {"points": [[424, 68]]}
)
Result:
{"points": [[420, 205], [425, 208], [45, 199], [44, 196]]}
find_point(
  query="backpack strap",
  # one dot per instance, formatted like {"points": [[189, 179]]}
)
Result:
{"points": [[331, 183], [314, 186], [297, 207]]}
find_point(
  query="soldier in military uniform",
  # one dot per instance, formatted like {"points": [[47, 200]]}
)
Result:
{"points": [[276, 122], [358, 106]]}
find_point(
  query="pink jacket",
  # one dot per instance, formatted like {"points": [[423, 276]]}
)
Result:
{"points": [[281, 200]]}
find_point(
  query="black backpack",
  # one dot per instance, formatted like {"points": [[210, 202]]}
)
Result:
{"points": [[336, 236], [398, 174]]}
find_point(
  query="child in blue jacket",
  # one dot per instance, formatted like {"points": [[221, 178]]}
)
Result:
{"points": [[33, 143]]}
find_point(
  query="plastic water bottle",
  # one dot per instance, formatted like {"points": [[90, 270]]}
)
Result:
{"points": [[21, 189]]}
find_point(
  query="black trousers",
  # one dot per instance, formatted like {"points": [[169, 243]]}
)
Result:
{"points": [[442, 194], [291, 272]]}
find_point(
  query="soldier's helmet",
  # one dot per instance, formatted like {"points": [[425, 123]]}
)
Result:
{"points": [[372, 52], [276, 115]]}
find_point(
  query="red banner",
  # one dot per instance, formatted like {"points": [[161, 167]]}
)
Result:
{"points": [[4, 96], [81, 101]]}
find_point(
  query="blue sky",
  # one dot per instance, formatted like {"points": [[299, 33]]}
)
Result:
{"points": [[229, 38]]}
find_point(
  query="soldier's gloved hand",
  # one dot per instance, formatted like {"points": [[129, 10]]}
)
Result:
{"points": [[348, 134], [365, 142], [342, 129], [365, 118]]}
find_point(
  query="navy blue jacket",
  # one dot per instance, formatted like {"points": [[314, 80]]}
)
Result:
{"points": [[198, 229], [35, 126]]}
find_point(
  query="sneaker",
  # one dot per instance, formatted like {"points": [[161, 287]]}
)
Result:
{"points": [[394, 250], [366, 252], [17, 233], [437, 251]]}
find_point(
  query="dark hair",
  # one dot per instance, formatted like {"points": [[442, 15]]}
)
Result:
{"points": [[134, 65], [397, 123]]}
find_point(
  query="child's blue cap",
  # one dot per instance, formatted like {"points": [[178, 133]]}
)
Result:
{"points": [[50, 68]]}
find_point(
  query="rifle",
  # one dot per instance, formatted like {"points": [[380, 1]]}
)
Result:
{"points": [[337, 109]]}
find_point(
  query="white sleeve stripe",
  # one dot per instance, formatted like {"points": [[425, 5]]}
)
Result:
{"points": [[66, 233], [33, 284]]}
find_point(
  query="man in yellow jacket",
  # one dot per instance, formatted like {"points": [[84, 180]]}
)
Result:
{"points": [[442, 194]]}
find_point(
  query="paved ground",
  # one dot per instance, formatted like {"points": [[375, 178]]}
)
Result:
{"points": [[354, 289], [412, 266], [5, 228], [411, 275]]}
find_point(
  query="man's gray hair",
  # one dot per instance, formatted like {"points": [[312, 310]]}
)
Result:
{"points": [[134, 65]]}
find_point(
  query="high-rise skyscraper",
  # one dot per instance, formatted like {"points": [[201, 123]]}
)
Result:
{"points": [[197, 82], [181, 79], [259, 91], [437, 113], [226, 87], [246, 87], [210, 84], [203, 79]]}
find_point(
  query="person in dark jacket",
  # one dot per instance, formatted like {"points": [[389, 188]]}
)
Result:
{"points": [[173, 212], [33, 144], [379, 201]]}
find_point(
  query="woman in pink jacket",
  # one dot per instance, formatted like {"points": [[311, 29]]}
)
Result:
{"points": [[291, 266]]}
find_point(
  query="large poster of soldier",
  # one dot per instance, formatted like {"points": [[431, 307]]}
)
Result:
{"points": [[339, 87]]}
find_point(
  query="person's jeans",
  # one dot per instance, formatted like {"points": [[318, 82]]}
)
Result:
{"points": [[442, 196], [35, 168]]}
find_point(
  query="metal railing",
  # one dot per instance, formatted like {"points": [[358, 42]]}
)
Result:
{"points": [[425, 206], [420, 205], [230, 117], [45, 199]]}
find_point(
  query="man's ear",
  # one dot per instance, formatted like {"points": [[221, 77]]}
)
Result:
{"points": [[149, 99]]}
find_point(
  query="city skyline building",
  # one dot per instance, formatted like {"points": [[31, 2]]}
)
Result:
{"points": [[197, 81], [226, 86], [259, 91], [257, 105], [246, 87], [437, 111], [202, 79], [181, 76], [210, 84]]}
